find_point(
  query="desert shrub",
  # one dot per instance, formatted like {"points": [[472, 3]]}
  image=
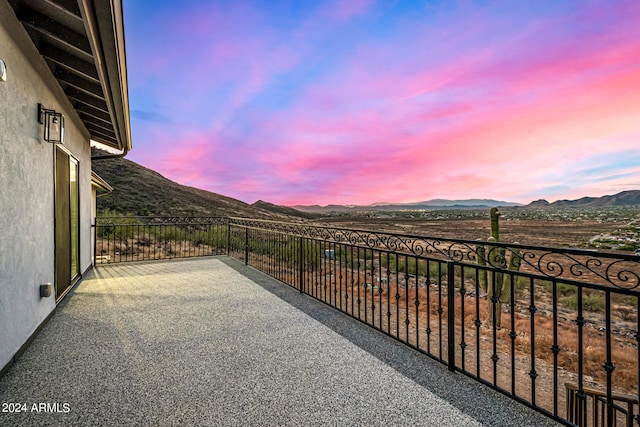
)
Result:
{"points": [[144, 240], [593, 302], [590, 302], [350, 255], [171, 233], [289, 249], [570, 301], [216, 236], [236, 239], [312, 252], [412, 265], [628, 246], [521, 283], [628, 300], [112, 225], [563, 289]]}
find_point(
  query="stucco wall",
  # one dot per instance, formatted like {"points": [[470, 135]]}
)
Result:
{"points": [[26, 185]]}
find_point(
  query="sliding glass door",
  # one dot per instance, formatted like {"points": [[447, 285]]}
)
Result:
{"points": [[67, 221]]}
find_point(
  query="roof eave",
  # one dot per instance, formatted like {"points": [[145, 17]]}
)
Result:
{"points": [[100, 183], [104, 26]]}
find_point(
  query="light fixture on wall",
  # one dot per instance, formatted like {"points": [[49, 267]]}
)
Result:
{"points": [[53, 124]]}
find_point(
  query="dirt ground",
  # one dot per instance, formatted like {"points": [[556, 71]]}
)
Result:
{"points": [[526, 232]]}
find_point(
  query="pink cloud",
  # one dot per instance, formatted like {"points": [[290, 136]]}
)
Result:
{"points": [[181, 158], [508, 138], [438, 109]]}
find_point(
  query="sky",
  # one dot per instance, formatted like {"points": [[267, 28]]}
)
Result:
{"points": [[365, 101]]}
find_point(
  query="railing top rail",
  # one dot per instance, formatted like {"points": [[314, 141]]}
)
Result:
{"points": [[627, 398]]}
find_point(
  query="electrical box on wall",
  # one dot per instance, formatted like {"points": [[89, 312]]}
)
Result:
{"points": [[45, 290]]}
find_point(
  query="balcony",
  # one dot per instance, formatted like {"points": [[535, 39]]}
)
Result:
{"points": [[210, 341], [214, 340]]}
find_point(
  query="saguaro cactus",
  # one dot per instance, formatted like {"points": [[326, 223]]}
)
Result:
{"points": [[495, 282]]}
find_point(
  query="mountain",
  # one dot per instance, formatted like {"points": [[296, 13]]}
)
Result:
{"points": [[141, 191], [283, 210], [484, 203], [425, 205], [624, 198], [541, 203]]}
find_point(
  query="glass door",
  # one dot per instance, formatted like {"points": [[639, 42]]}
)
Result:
{"points": [[67, 221], [74, 219]]}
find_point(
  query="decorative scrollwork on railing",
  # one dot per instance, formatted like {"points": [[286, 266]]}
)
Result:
{"points": [[548, 264], [623, 274], [621, 271]]}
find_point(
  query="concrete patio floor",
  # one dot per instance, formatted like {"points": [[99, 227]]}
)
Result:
{"points": [[212, 342]]}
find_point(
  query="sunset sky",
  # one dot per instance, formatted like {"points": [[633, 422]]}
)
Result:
{"points": [[364, 101]]}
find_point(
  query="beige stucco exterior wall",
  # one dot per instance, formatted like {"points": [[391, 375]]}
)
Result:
{"points": [[27, 186]]}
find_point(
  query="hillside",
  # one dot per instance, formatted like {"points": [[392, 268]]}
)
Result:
{"points": [[624, 198], [141, 191], [283, 210]]}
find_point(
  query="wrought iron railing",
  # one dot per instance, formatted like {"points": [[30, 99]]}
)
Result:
{"points": [[553, 328], [137, 238], [523, 320]]}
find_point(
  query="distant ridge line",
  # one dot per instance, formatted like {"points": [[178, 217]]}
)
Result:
{"points": [[428, 204], [624, 198]]}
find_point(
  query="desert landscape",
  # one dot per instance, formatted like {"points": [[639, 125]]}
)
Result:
{"points": [[534, 355], [593, 228]]}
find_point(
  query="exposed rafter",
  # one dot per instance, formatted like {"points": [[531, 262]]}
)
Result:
{"points": [[47, 26], [91, 111], [78, 95], [78, 82], [85, 69]]}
